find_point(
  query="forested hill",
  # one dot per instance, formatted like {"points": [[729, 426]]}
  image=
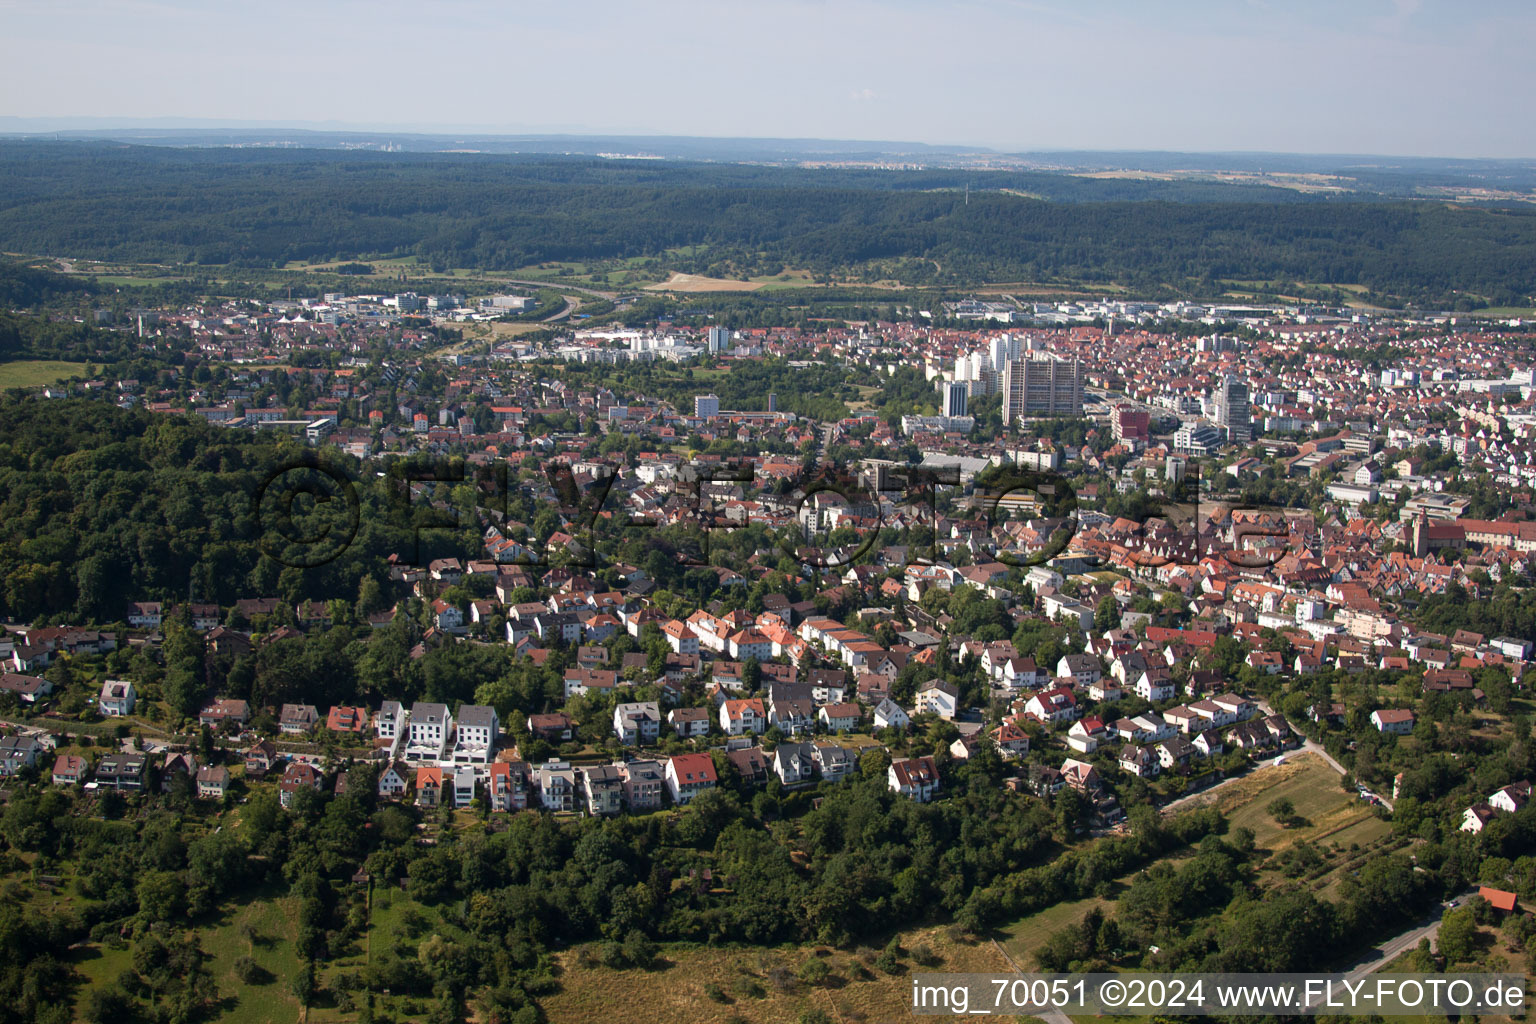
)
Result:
{"points": [[103, 506], [261, 208]]}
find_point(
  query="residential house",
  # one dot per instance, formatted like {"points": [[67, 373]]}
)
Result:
{"points": [[1081, 776], [637, 724], [1240, 708], [260, 758], [835, 762], [145, 614], [689, 722], [429, 785], [938, 697], [428, 730], [1086, 735], [557, 785], [839, 717], [1390, 720], [234, 713], [1207, 743], [1058, 704], [643, 782], [461, 782], [555, 727], [1175, 753], [475, 734], [890, 716], [298, 775], [688, 775], [120, 771], [69, 770], [581, 681], [750, 763], [394, 780], [1511, 798], [506, 786], [916, 778], [117, 698], [1045, 782], [1083, 669], [347, 720], [792, 717], [297, 719], [448, 617], [795, 763], [27, 689], [738, 717], [1105, 690], [212, 782], [1011, 740], [177, 764], [1156, 684], [603, 786], [1139, 761], [391, 721], [1502, 900]]}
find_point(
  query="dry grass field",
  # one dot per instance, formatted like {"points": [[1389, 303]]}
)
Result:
{"points": [[694, 283], [705, 985]]}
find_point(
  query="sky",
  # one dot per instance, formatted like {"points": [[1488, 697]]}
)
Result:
{"points": [[1397, 77]]}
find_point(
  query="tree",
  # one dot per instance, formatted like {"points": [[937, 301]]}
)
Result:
{"points": [[1107, 615], [1458, 935]]}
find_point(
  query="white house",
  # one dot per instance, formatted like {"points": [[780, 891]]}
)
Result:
{"points": [[475, 737], [738, 717], [637, 724], [393, 781], [688, 775], [795, 762], [1155, 684], [1058, 704], [117, 698], [916, 778], [1139, 761], [448, 617], [1084, 736], [1083, 669], [390, 723], [889, 715], [938, 697], [428, 732], [1390, 720]]}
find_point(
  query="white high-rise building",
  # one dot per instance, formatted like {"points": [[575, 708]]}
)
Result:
{"points": [[1003, 348], [719, 339], [955, 395], [706, 407]]}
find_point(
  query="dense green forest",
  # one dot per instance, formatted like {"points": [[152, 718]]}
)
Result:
{"points": [[103, 506], [260, 208]]}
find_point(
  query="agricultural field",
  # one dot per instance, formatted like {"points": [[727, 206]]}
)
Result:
{"points": [[34, 373]]}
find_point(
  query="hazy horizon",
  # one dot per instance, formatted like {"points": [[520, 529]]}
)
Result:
{"points": [[1404, 77]]}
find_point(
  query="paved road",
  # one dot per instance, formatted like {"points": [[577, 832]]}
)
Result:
{"points": [[1378, 956], [1052, 1016], [561, 284], [569, 308]]}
